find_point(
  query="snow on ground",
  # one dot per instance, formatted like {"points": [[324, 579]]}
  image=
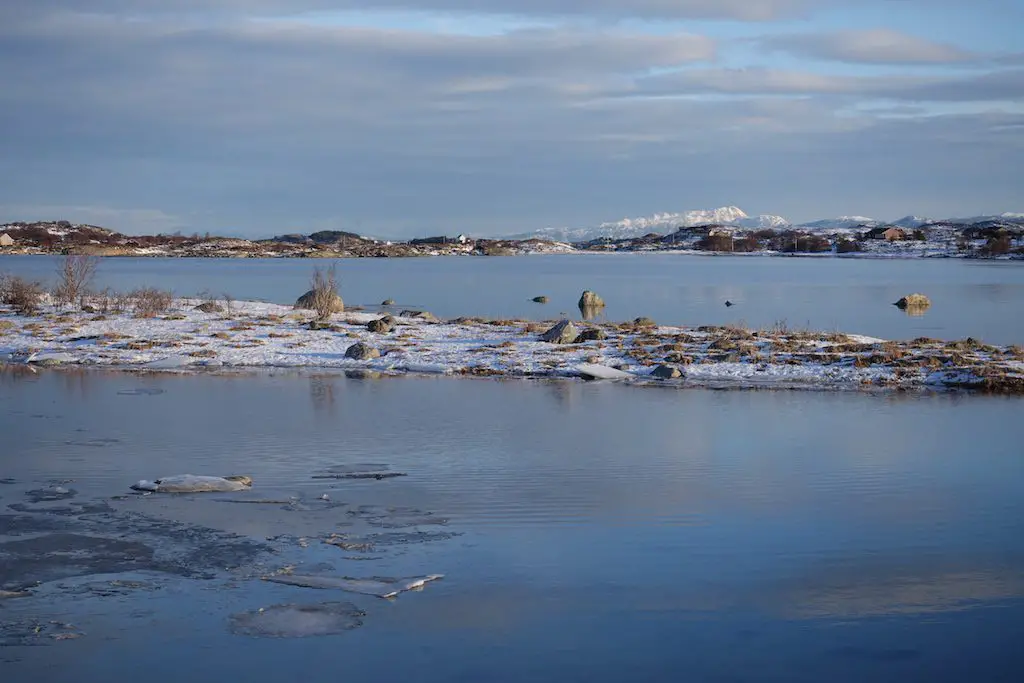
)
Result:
{"points": [[260, 335]]}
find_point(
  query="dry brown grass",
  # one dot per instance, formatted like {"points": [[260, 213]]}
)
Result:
{"points": [[20, 294], [149, 302], [324, 286]]}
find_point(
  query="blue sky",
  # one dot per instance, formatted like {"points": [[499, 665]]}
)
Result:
{"points": [[409, 117]]}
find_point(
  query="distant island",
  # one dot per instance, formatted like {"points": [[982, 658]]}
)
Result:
{"points": [[986, 237]]}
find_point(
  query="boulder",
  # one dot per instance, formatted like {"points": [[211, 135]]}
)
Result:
{"points": [[562, 333], [539, 299], [381, 325], [590, 334], [590, 300], [210, 307], [306, 301], [387, 302], [361, 351], [913, 301], [666, 372]]}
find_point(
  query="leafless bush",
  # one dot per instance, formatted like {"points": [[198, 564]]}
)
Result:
{"points": [[150, 302], [74, 275], [229, 302], [20, 294], [324, 289]]}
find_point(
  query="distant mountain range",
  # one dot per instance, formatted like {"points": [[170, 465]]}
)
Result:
{"points": [[666, 223]]}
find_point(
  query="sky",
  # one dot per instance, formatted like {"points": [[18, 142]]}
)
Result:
{"points": [[400, 118]]}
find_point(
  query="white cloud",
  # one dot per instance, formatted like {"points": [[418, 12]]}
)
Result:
{"points": [[870, 46]]}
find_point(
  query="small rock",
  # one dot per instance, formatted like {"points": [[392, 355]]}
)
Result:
{"points": [[320, 325], [913, 301], [387, 302], [666, 372], [539, 299], [381, 325], [209, 307], [88, 309], [361, 351], [562, 333], [591, 334], [590, 300], [728, 303], [644, 322]]}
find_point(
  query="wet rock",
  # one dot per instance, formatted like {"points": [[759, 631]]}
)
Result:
{"points": [[361, 351], [298, 621], [539, 299], [562, 333], [362, 374], [590, 334], [666, 372], [210, 307], [911, 301], [372, 542], [306, 302], [590, 300], [387, 302], [381, 325]]}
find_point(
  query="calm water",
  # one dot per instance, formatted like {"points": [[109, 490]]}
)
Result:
{"points": [[607, 533], [970, 298]]}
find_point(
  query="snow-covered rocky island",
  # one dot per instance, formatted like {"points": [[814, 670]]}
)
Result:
{"points": [[189, 335]]}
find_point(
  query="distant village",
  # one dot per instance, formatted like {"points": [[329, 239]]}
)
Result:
{"points": [[986, 239]]}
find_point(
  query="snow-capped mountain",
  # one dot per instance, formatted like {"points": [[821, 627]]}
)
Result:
{"points": [[841, 223], [912, 222], [660, 223], [763, 222]]}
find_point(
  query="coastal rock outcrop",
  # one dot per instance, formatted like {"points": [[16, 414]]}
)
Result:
{"points": [[590, 300], [913, 301], [539, 299], [562, 333], [361, 351], [306, 301]]}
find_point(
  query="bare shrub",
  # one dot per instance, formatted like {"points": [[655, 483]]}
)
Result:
{"points": [[23, 296], [150, 302], [324, 288], [74, 275]]}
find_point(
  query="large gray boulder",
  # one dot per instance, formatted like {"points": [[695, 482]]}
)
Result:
{"points": [[591, 334], [562, 333], [361, 351], [306, 301], [666, 372], [590, 300], [381, 325]]}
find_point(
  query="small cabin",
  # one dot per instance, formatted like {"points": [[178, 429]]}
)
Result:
{"points": [[6, 240], [890, 234]]}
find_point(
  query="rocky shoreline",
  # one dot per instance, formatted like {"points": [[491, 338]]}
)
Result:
{"points": [[989, 239], [254, 335]]}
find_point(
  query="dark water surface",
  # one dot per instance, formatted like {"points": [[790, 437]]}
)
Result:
{"points": [[981, 299], [594, 532]]}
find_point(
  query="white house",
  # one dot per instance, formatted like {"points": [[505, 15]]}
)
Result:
{"points": [[6, 240]]}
